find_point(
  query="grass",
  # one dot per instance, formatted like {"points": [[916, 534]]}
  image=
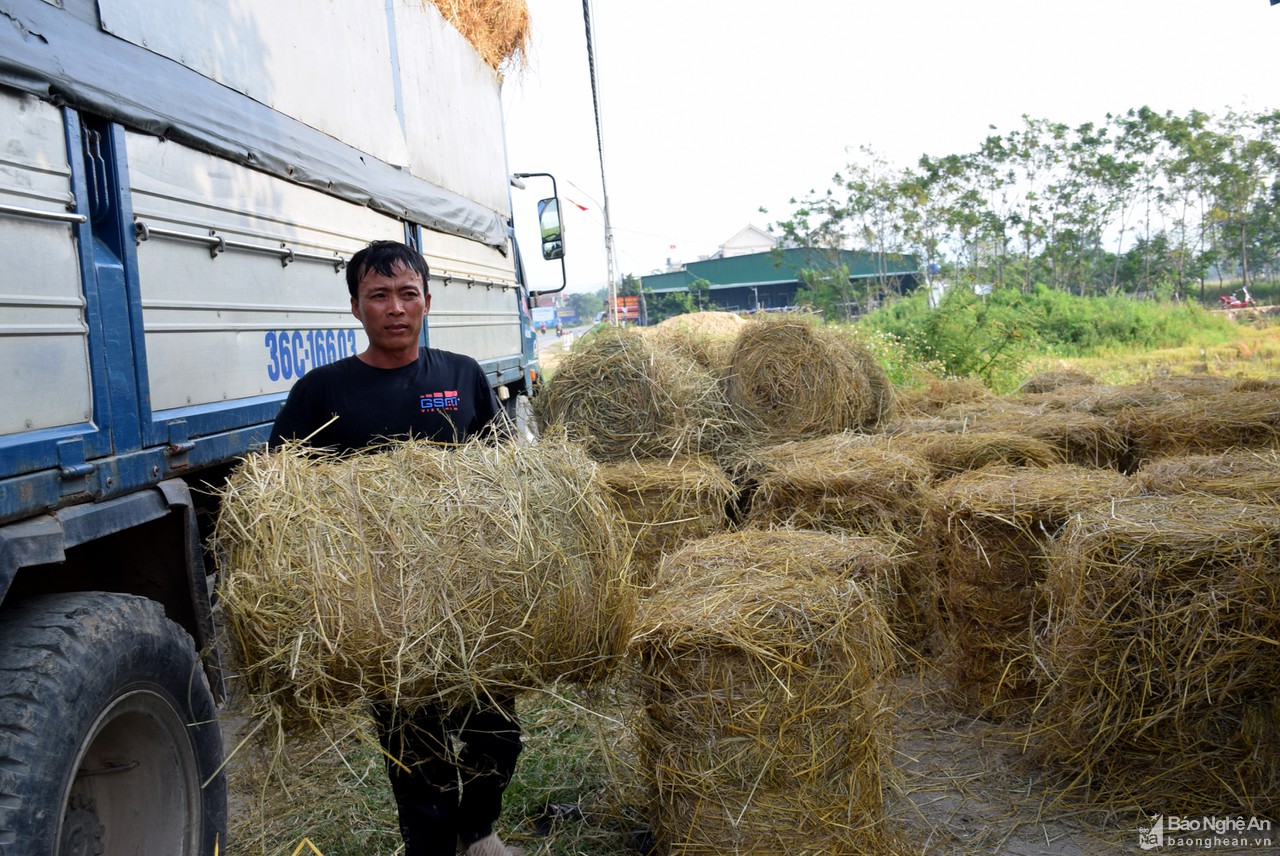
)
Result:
{"points": [[573, 791], [1254, 353]]}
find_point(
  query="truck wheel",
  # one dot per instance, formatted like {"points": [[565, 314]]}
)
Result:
{"points": [[108, 731]]}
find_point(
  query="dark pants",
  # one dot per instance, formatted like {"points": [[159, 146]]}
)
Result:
{"points": [[443, 797]]}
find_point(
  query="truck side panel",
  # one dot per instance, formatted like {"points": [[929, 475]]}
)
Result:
{"points": [[44, 337], [240, 277]]}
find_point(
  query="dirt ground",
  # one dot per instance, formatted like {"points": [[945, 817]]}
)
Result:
{"points": [[964, 790], [960, 789]]}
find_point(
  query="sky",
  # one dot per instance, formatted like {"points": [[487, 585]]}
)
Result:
{"points": [[714, 109]]}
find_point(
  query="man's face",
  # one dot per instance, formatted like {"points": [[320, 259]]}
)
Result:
{"points": [[391, 308]]}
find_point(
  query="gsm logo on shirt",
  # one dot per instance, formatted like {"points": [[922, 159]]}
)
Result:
{"points": [[447, 400]]}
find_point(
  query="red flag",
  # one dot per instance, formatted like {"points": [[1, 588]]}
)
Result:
{"points": [[577, 204]]}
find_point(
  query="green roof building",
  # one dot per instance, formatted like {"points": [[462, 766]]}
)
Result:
{"points": [[770, 280]]}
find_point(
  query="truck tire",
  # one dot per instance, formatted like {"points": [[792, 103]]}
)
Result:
{"points": [[108, 732]]}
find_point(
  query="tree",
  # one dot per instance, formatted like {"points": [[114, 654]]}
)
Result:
{"points": [[828, 290], [700, 294], [586, 305]]}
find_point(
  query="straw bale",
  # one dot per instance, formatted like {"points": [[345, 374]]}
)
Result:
{"points": [[936, 395], [950, 453], [422, 574], [1055, 379], [762, 727], [1257, 384], [497, 29], [790, 380], [1072, 397], [1114, 399], [997, 523], [1161, 651], [1204, 424], [1086, 439], [1253, 476], [921, 425], [977, 414], [710, 353], [626, 397], [666, 503], [841, 484]]}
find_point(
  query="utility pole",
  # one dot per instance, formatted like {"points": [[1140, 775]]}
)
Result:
{"points": [[604, 187]]}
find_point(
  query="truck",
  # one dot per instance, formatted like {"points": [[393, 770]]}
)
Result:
{"points": [[182, 183]]}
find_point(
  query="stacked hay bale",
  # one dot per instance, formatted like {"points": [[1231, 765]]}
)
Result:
{"points": [[791, 380], [1204, 424], [666, 503], [761, 729], [931, 398], [998, 522], [1162, 655], [844, 483], [497, 29], [1055, 379], [657, 419], [1249, 475], [707, 338], [1085, 439], [1111, 400], [421, 575], [626, 398], [949, 453]]}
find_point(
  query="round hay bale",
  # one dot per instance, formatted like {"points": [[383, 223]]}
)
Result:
{"points": [[841, 484], [1248, 475], [1204, 424], [938, 394], [1161, 651], [663, 504], [791, 380], [762, 727], [950, 453], [1055, 379], [626, 398], [422, 574], [998, 522]]}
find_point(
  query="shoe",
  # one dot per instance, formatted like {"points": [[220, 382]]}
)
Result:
{"points": [[491, 845]]}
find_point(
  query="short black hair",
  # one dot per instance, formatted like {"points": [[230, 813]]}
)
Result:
{"points": [[384, 257]]}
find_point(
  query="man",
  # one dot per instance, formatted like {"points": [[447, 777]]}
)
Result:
{"points": [[395, 389]]}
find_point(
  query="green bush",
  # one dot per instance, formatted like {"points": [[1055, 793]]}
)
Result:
{"points": [[991, 336]]}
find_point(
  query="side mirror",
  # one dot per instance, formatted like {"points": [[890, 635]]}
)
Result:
{"points": [[552, 232]]}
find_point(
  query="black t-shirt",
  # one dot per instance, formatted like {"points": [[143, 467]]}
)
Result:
{"points": [[441, 396]]}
